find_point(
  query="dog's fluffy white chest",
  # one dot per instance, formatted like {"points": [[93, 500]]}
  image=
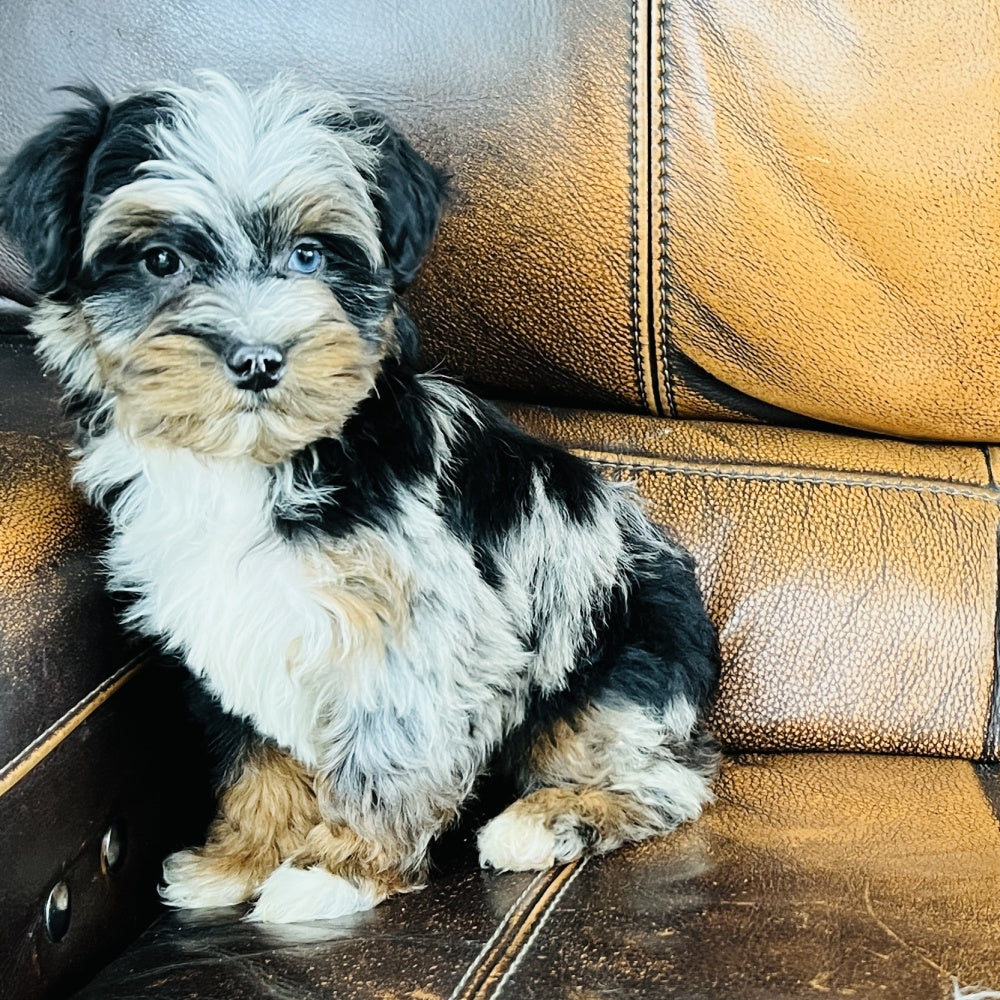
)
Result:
{"points": [[194, 541], [357, 654]]}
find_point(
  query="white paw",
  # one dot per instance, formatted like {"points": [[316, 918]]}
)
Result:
{"points": [[192, 882], [291, 895], [518, 841]]}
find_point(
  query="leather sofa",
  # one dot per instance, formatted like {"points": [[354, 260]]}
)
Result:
{"points": [[742, 254]]}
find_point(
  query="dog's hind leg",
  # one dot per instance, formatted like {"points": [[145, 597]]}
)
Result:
{"points": [[634, 759], [263, 818], [616, 772]]}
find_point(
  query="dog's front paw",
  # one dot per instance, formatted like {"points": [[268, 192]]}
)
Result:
{"points": [[193, 881], [291, 895], [520, 840]]}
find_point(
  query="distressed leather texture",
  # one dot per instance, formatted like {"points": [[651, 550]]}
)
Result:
{"points": [[741, 256], [716, 209], [814, 876]]}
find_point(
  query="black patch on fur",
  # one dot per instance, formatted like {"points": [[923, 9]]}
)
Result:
{"points": [[117, 267], [84, 409], [490, 481], [41, 192], [386, 446], [365, 293], [486, 486], [52, 186], [654, 644], [124, 144], [409, 197], [672, 648], [229, 739]]}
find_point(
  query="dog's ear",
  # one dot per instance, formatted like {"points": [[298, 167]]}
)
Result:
{"points": [[41, 191], [408, 196]]}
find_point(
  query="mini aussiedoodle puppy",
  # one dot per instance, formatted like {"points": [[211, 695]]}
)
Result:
{"points": [[387, 589]]}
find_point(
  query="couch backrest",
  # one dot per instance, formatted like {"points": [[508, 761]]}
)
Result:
{"points": [[705, 208]]}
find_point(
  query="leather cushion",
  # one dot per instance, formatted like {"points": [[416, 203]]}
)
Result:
{"points": [[813, 875], [831, 214]]}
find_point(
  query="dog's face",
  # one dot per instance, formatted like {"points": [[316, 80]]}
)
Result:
{"points": [[219, 268]]}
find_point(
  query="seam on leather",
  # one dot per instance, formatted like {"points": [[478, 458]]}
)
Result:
{"points": [[519, 927], [662, 257], [644, 231], [987, 775], [60, 730], [634, 263], [763, 473]]}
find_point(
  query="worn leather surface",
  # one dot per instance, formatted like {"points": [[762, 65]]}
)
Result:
{"points": [[831, 211], [59, 636], [720, 209], [527, 107], [853, 580], [813, 875], [130, 761]]}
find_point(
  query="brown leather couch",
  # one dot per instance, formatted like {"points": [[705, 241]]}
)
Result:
{"points": [[745, 254]]}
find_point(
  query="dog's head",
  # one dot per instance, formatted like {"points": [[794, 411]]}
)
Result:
{"points": [[219, 267]]}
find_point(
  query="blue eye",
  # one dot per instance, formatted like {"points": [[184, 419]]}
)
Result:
{"points": [[305, 259]]}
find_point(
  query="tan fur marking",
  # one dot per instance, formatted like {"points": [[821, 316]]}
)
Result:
{"points": [[320, 213], [387, 867], [173, 387], [126, 217], [607, 776], [363, 589], [262, 820], [610, 819], [560, 754]]}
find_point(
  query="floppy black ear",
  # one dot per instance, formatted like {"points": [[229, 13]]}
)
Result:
{"points": [[41, 192], [409, 196]]}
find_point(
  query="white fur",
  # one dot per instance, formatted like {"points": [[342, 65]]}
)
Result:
{"points": [[217, 584], [292, 895], [190, 883], [522, 841], [552, 569]]}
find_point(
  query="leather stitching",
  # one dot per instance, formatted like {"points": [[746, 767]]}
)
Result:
{"points": [[984, 494], [634, 209], [663, 120], [499, 958]]}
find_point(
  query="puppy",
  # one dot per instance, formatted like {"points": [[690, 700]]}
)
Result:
{"points": [[385, 590]]}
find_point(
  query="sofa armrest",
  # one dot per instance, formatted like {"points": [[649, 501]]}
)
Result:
{"points": [[97, 779]]}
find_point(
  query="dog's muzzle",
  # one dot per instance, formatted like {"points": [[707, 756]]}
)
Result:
{"points": [[255, 367]]}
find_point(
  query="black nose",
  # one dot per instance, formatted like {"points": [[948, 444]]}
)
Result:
{"points": [[255, 366]]}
